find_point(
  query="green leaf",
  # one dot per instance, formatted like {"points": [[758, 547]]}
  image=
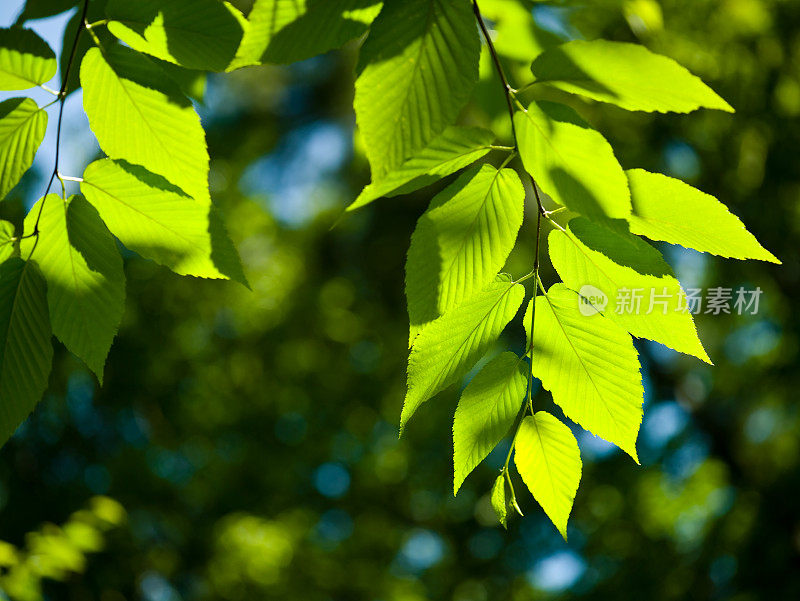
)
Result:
{"points": [[79, 259], [590, 366], [499, 499], [157, 220], [571, 162], [7, 240], [485, 412], [26, 60], [624, 267], [453, 149], [22, 128], [548, 459], [97, 12], [287, 31], [449, 347], [197, 34], [26, 354], [462, 241], [416, 71], [140, 115], [669, 210], [628, 75]]}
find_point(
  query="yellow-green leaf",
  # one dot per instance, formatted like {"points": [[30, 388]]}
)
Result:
{"points": [[26, 60], [499, 499], [548, 459], [22, 129]]}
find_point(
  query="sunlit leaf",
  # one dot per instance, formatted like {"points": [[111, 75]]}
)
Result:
{"points": [[642, 293], [462, 241], [485, 412], [669, 210], [449, 347], [590, 366], [79, 260], [499, 499], [416, 70], [548, 459], [140, 115], [22, 128], [6, 240], [571, 162], [628, 75], [26, 60]]}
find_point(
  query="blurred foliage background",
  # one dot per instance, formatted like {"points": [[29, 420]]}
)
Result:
{"points": [[245, 444]]}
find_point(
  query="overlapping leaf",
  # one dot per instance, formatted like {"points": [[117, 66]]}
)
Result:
{"points": [[450, 346], [669, 210], [643, 295], [155, 219], [197, 34], [140, 115], [571, 162], [287, 31], [79, 260], [26, 353], [548, 459], [590, 366], [628, 75], [453, 149], [462, 241], [6, 240], [416, 70], [22, 128], [485, 412], [26, 60]]}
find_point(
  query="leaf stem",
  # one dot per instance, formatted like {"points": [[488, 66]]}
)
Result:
{"points": [[62, 95]]}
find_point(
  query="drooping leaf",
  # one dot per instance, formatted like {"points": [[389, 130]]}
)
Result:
{"points": [[155, 219], [416, 70], [6, 240], [453, 149], [26, 60], [628, 75], [287, 31], [571, 162], [626, 268], [22, 128], [485, 412], [670, 210], [499, 499], [81, 264], [26, 353], [548, 459], [462, 241], [140, 115], [197, 34], [449, 347], [590, 366]]}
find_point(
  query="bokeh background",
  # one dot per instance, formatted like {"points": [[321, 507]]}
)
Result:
{"points": [[245, 446]]}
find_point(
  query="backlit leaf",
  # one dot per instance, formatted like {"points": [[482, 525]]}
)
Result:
{"points": [[449, 347], [26, 60], [416, 70], [499, 499], [462, 241], [548, 459], [22, 128], [628, 75], [571, 162], [485, 412], [6, 240], [81, 264], [590, 366]]}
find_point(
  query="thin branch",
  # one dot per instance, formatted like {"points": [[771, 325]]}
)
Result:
{"points": [[62, 95]]}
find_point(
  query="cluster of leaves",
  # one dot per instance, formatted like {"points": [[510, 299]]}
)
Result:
{"points": [[418, 67], [56, 552]]}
